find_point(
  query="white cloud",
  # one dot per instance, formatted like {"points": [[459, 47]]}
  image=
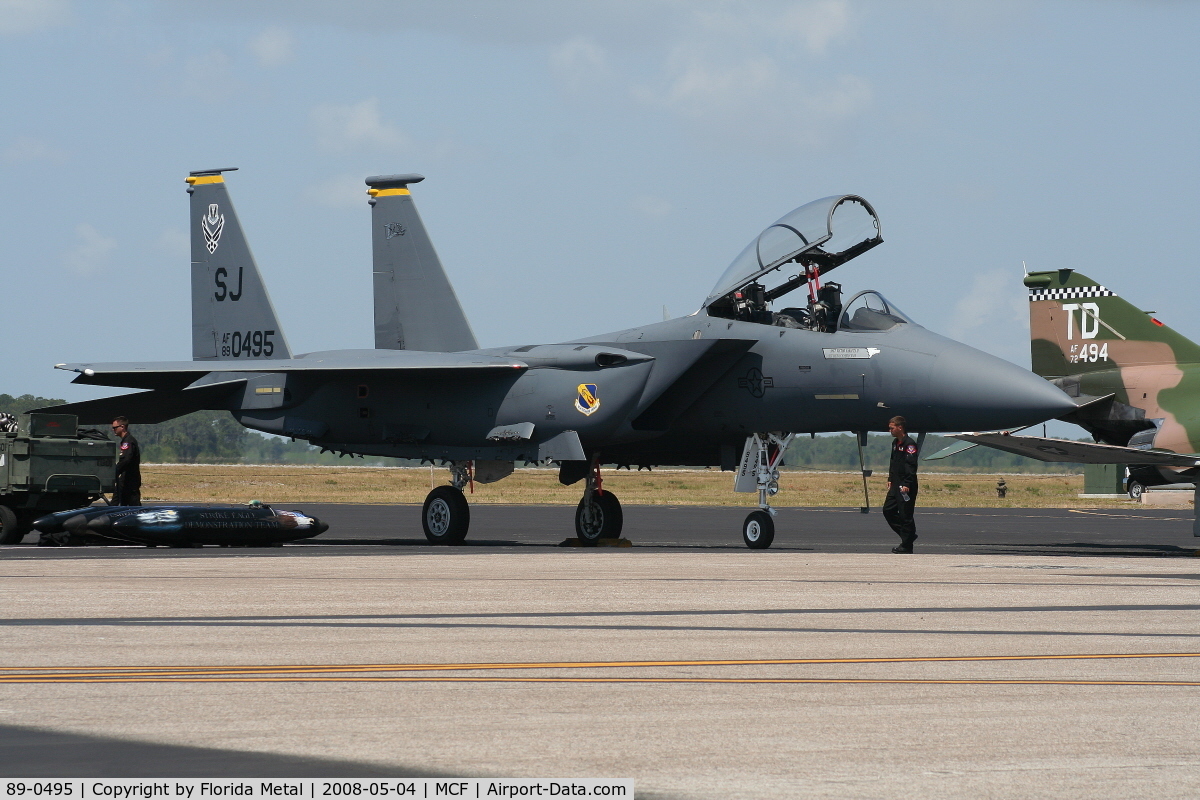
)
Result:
{"points": [[208, 75], [996, 302], [746, 72], [756, 97], [29, 16], [28, 150], [272, 47], [580, 63], [813, 24], [355, 126], [338, 191], [175, 244], [92, 252], [651, 206]]}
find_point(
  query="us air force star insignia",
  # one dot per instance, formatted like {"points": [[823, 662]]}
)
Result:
{"points": [[756, 382], [588, 399], [212, 225]]}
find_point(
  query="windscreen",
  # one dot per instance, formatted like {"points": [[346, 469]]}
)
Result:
{"points": [[870, 311], [831, 227]]}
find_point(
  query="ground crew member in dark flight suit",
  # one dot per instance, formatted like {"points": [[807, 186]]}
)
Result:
{"points": [[902, 486], [128, 491]]}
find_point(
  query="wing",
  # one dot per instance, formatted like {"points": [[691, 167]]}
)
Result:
{"points": [[176, 375], [1065, 450], [151, 407]]}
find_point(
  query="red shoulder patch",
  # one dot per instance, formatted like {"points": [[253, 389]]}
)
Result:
{"points": [[911, 449], [124, 445]]}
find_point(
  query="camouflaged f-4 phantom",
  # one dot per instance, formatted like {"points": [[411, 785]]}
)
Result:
{"points": [[1137, 382]]}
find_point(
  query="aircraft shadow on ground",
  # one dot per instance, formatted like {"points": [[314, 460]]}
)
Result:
{"points": [[38, 753]]}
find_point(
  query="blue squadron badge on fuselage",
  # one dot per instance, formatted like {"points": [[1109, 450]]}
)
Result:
{"points": [[588, 399]]}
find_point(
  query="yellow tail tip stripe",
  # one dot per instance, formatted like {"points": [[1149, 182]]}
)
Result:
{"points": [[387, 192], [197, 180]]}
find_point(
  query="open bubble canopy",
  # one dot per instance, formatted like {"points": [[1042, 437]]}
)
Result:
{"points": [[825, 233]]}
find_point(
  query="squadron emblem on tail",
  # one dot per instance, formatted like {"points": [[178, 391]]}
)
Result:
{"points": [[212, 224]]}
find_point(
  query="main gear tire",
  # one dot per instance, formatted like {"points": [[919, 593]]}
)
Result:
{"points": [[602, 520], [12, 529], [446, 516], [758, 531], [1135, 490]]}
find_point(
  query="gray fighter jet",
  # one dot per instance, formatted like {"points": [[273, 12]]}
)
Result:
{"points": [[730, 385]]}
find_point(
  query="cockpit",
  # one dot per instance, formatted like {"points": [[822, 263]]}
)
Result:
{"points": [[797, 251]]}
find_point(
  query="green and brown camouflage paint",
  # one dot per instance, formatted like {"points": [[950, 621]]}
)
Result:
{"points": [[1091, 342]]}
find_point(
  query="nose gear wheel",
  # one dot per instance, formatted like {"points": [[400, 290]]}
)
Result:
{"points": [[758, 531]]}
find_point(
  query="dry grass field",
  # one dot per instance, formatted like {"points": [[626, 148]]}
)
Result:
{"points": [[349, 484]]}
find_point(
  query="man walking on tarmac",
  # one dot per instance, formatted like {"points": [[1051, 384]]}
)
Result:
{"points": [[902, 486], [128, 491]]}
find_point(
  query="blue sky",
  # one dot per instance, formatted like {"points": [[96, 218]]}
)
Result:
{"points": [[587, 163]]}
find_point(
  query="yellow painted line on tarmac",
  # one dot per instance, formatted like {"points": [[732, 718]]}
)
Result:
{"points": [[566, 679], [216, 672]]}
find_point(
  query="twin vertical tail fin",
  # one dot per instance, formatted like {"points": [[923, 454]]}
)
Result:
{"points": [[1077, 326], [232, 314], [415, 305]]}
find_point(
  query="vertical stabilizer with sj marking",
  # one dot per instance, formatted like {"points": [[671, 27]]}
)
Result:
{"points": [[232, 315], [415, 305]]}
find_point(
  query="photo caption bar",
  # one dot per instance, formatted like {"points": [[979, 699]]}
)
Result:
{"points": [[314, 788]]}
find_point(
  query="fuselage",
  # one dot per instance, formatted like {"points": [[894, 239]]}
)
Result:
{"points": [[682, 391]]}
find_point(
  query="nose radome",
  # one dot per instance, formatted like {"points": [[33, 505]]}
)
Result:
{"points": [[976, 391]]}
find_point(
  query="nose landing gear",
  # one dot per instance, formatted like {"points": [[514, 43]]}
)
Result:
{"points": [[759, 472], [446, 515]]}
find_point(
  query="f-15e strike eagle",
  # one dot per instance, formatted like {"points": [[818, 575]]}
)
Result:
{"points": [[730, 385]]}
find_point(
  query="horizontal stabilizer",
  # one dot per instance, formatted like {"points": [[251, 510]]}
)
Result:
{"points": [[148, 408], [951, 450], [960, 447], [176, 375], [1067, 451]]}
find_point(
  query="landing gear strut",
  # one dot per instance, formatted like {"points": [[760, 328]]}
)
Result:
{"points": [[598, 515], [446, 516], [759, 471]]}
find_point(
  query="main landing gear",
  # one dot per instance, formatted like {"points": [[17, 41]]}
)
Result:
{"points": [[598, 515], [446, 515], [759, 471]]}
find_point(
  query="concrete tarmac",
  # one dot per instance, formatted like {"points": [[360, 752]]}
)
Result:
{"points": [[1017, 654]]}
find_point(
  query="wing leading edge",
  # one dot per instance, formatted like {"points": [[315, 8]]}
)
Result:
{"points": [[179, 374]]}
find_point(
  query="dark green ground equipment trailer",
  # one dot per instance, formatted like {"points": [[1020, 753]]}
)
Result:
{"points": [[49, 464]]}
